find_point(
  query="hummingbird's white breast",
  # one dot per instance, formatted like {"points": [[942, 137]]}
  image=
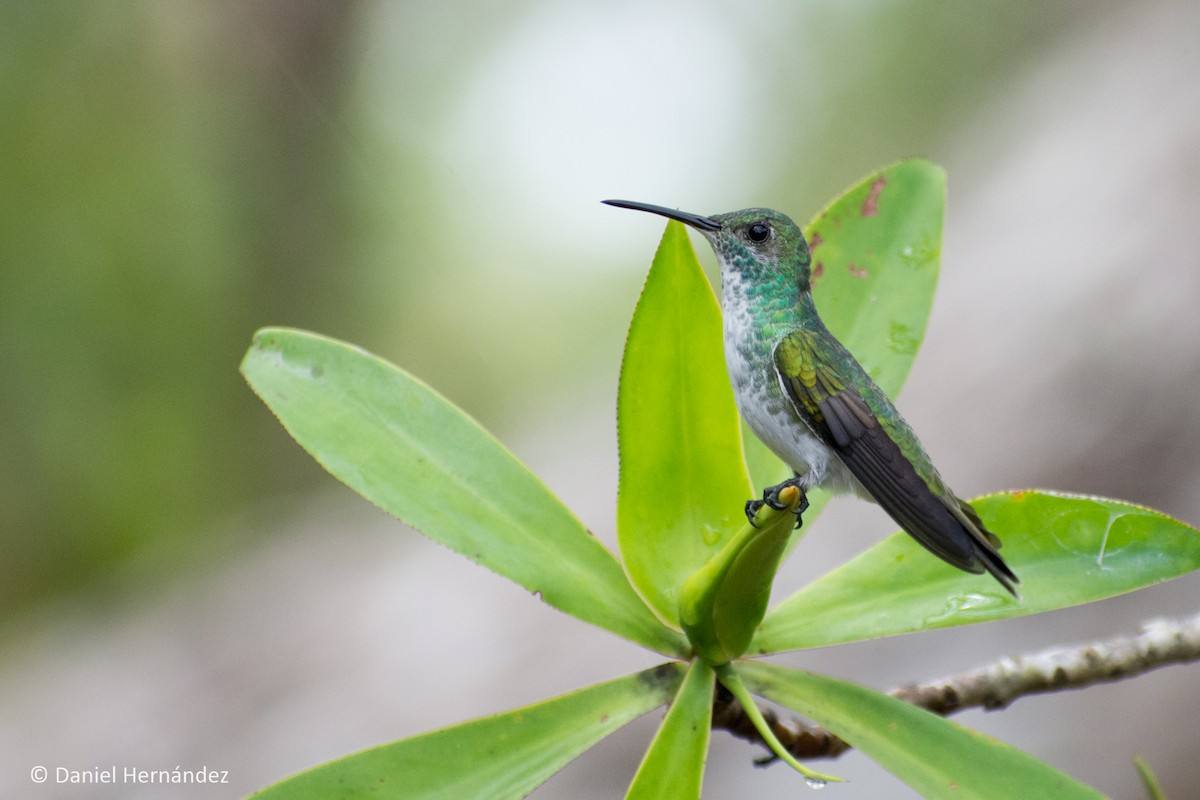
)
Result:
{"points": [[761, 399]]}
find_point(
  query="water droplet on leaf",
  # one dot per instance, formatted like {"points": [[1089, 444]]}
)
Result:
{"points": [[968, 606]]}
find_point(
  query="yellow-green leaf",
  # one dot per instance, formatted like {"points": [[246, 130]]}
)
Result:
{"points": [[503, 757], [938, 758], [405, 448], [683, 482], [673, 768]]}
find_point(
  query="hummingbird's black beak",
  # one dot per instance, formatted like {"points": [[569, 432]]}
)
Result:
{"points": [[695, 220]]}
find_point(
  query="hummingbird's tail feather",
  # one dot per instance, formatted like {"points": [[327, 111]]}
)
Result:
{"points": [[986, 545], [995, 565], [952, 535]]}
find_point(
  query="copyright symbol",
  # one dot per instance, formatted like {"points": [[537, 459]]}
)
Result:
{"points": [[38, 774]]}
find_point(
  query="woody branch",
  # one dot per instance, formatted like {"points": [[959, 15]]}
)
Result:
{"points": [[1161, 642]]}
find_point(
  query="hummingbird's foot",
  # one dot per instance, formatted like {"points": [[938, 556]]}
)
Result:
{"points": [[771, 498]]}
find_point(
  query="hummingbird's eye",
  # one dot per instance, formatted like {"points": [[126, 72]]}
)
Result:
{"points": [[758, 232]]}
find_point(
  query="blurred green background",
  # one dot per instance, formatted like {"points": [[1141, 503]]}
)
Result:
{"points": [[423, 179], [177, 175], [168, 184]]}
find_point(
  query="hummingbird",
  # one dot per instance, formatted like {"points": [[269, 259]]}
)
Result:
{"points": [[810, 401]]}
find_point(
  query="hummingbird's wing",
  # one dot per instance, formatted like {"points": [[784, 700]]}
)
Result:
{"points": [[811, 372]]}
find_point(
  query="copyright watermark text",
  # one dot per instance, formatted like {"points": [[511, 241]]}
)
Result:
{"points": [[127, 775]]}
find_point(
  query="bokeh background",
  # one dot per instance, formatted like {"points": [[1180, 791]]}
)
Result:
{"points": [[180, 586]]}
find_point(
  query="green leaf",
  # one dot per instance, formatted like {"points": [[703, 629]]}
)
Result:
{"points": [[876, 253], [674, 764], [729, 677], [1066, 549], [504, 756], [1149, 780], [683, 482], [934, 756], [722, 603], [408, 450]]}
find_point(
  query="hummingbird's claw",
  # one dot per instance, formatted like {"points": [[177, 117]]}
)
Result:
{"points": [[752, 507], [771, 498]]}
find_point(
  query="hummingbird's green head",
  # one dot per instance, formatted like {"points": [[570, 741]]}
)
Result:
{"points": [[752, 243], [755, 240]]}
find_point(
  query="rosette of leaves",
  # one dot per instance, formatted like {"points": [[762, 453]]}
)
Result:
{"points": [[693, 579]]}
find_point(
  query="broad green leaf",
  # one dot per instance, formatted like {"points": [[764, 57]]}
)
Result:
{"points": [[504, 756], [408, 450], [934, 756], [876, 252], [1066, 549], [683, 482], [674, 764]]}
